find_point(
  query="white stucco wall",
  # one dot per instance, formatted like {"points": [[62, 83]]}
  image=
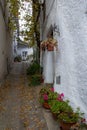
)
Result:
{"points": [[50, 18], [48, 56], [5, 46], [71, 59], [2, 47], [48, 66]]}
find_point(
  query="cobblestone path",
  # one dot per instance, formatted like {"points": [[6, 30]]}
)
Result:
{"points": [[19, 105]]}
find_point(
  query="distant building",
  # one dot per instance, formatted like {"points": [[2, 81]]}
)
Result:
{"points": [[22, 49]]}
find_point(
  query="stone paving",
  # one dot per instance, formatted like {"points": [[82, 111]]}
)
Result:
{"points": [[19, 105]]}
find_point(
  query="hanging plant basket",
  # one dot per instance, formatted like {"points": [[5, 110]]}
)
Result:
{"points": [[50, 43], [50, 47]]}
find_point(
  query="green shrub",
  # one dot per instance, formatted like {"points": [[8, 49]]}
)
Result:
{"points": [[47, 94], [70, 117], [35, 80], [60, 106], [34, 68]]}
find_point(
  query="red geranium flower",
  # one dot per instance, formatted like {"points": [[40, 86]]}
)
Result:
{"points": [[45, 96]]}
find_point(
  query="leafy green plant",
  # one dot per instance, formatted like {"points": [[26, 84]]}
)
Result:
{"points": [[36, 80], [60, 106], [83, 126], [70, 117], [47, 95], [33, 72], [52, 95], [34, 68], [44, 90]]}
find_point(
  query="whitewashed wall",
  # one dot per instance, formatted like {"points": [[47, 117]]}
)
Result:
{"points": [[48, 56], [48, 66], [71, 59], [5, 45], [2, 46]]}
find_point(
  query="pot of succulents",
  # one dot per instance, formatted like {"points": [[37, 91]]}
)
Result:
{"points": [[67, 119]]}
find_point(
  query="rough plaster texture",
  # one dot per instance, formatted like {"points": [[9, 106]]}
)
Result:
{"points": [[5, 46], [2, 46], [71, 58], [48, 69]]}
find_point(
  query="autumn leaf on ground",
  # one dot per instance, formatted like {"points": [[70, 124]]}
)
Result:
{"points": [[26, 123], [2, 108], [8, 129]]}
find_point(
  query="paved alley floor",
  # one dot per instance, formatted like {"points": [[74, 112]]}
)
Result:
{"points": [[19, 105]]}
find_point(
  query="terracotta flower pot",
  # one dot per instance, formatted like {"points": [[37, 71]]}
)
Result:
{"points": [[46, 105], [65, 126], [50, 47]]}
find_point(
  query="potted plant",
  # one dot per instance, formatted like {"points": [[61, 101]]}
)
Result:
{"points": [[58, 107], [44, 90], [50, 47], [81, 125], [67, 119], [34, 68], [46, 95], [50, 43], [43, 96], [36, 79]]}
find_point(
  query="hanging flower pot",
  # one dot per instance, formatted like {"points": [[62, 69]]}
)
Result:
{"points": [[49, 44], [50, 47]]}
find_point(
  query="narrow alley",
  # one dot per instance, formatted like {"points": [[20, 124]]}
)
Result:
{"points": [[43, 61], [19, 106]]}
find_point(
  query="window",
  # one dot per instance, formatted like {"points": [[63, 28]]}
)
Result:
{"points": [[24, 53]]}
